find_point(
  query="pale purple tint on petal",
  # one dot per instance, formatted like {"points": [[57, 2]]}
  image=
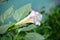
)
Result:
{"points": [[36, 16], [32, 13]]}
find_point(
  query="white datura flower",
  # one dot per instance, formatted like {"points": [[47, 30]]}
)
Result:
{"points": [[34, 17]]}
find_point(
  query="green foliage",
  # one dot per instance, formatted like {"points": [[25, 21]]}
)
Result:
{"points": [[33, 36], [54, 22], [7, 14], [6, 38], [44, 30], [30, 27], [49, 29], [22, 12], [4, 28]]}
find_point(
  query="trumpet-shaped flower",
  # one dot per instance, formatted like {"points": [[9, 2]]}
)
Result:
{"points": [[34, 17]]}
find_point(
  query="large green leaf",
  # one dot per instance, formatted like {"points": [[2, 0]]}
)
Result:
{"points": [[8, 13], [33, 36], [30, 27], [4, 28], [22, 12]]}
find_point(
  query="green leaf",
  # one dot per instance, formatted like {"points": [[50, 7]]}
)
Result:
{"points": [[8, 13], [22, 12], [33, 36], [4, 28], [6, 37], [30, 27]]}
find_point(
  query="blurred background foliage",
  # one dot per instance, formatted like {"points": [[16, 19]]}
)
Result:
{"points": [[49, 29], [52, 23]]}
